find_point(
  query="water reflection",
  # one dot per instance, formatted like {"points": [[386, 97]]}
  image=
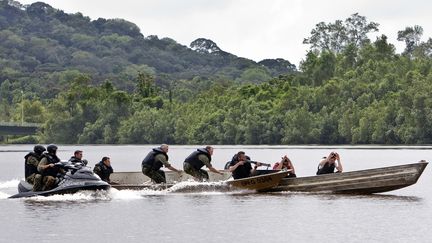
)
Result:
{"points": [[332, 197]]}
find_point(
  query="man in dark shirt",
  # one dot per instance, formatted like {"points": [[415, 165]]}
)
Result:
{"points": [[103, 169], [241, 167], [77, 158], [328, 164]]}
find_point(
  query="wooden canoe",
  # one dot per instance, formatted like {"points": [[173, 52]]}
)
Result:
{"points": [[357, 182]]}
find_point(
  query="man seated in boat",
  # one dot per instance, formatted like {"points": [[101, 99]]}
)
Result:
{"points": [[241, 167], [104, 169], [328, 164], [47, 168], [77, 158], [195, 161], [31, 173], [234, 158], [154, 160], [285, 164]]}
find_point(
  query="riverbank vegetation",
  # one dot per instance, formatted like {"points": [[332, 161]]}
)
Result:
{"points": [[348, 90]]}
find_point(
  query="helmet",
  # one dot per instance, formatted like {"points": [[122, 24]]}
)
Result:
{"points": [[52, 148], [39, 149]]}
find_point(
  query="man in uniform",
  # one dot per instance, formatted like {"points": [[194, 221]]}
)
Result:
{"points": [[195, 161], [32, 160], [47, 168], [154, 160], [77, 158], [103, 169]]}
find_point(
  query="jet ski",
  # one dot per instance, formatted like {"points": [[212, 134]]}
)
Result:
{"points": [[78, 177]]}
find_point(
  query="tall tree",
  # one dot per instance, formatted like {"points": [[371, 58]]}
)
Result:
{"points": [[335, 37], [411, 36], [357, 28]]}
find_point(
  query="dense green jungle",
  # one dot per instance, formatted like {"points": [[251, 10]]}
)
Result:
{"points": [[103, 82]]}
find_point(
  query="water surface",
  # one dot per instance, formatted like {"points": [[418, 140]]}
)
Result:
{"points": [[215, 216]]}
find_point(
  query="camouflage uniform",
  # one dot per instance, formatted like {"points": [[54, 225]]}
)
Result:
{"points": [[32, 161], [49, 174], [199, 174], [32, 175], [158, 176]]}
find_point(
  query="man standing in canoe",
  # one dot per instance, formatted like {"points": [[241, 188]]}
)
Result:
{"points": [[154, 160], [195, 161], [241, 167]]}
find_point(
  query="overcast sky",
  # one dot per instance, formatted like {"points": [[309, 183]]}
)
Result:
{"points": [[255, 29]]}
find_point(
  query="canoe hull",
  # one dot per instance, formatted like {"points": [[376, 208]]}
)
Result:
{"points": [[260, 182], [357, 182], [154, 187]]}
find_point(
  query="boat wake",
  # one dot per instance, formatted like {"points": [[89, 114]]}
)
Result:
{"points": [[191, 186], [6, 188], [4, 195], [81, 196], [9, 184], [134, 194]]}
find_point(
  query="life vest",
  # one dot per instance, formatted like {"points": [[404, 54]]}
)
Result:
{"points": [[105, 171], [193, 159], [326, 169], [51, 171], [28, 168], [75, 160], [150, 159]]}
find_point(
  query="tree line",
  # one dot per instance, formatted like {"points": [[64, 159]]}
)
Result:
{"points": [[349, 90], [42, 49]]}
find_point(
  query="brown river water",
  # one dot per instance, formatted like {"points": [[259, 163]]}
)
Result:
{"points": [[403, 215]]}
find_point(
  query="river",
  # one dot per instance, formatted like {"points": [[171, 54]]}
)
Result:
{"points": [[212, 216]]}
